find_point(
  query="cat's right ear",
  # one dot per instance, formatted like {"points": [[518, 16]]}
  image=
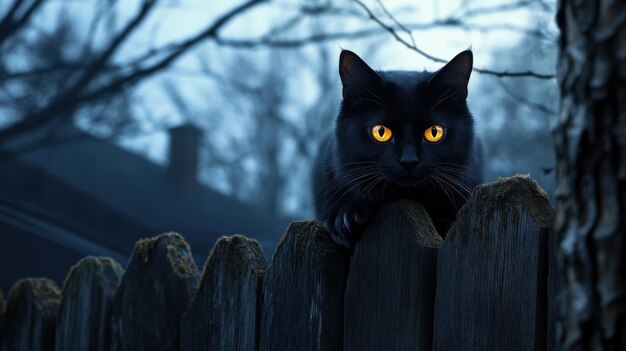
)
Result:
{"points": [[455, 75], [357, 77]]}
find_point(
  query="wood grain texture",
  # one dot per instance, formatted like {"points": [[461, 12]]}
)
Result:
{"points": [[84, 317], [303, 292], [2, 308], [555, 289], [224, 313], [390, 293], [154, 292], [492, 274], [30, 315]]}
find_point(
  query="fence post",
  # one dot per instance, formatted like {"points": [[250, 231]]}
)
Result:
{"points": [[153, 293], [303, 292], [83, 321], [30, 315], [2, 306], [390, 292], [492, 274], [554, 290], [224, 313]]}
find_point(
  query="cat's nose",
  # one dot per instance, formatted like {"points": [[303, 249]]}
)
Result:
{"points": [[409, 158]]}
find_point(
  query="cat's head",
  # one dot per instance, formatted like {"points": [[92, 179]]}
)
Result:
{"points": [[408, 125]]}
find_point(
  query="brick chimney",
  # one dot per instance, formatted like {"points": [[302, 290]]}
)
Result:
{"points": [[183, 155]]}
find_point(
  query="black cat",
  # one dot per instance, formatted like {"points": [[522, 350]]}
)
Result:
{"points": [[398, 135]]}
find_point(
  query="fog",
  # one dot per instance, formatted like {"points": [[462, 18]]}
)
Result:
{"points": [[90, 92]]}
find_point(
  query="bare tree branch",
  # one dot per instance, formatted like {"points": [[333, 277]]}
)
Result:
{"points": [[524, 101], [11, 24], [83, 91], [413, 47]]}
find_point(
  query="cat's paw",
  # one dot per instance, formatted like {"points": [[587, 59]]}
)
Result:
{"points": [[346, 225]]}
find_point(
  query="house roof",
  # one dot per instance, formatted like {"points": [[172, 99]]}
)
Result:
{"points": [[90, 184]]}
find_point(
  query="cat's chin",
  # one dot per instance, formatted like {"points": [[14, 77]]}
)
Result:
{"points": [[407, 181]]}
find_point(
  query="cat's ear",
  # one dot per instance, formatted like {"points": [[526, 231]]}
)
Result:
{"points": [[455, 74], [356, 76]]}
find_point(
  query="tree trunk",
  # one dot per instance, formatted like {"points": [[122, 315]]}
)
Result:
{"points": [[591, 154]]}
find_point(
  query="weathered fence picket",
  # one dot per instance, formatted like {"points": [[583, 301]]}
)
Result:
{"points": [[224, 313], [2, 308], [554, 288], [491, 284], [84, 317], [492, 271], [303, 292], [30, 314], [154, 292], [390, 293]]}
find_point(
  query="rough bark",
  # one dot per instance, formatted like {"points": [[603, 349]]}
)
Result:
{"points": [[224, 313], [84, 318], [591, 174]]}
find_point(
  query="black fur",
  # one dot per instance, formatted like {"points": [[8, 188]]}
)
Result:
{"points": [[354, 174]]}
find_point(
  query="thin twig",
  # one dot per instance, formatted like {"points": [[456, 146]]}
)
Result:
{"points": [[413, 47]]}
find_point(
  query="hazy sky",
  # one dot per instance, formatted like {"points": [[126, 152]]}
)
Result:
{"points": [[178, 19]]}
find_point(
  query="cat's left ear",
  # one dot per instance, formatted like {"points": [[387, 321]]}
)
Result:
{"points": [[455, 74], [356, 76]]}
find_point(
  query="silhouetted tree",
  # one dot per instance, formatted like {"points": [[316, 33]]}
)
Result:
{"points": [[90, 71], [591, 166]]}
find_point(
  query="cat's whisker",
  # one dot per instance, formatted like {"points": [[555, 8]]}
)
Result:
{"points": [[451, 189], [353, 177], [348, 176], [459, 178], [353, 169], [354, 186], [454, 185], [458, 166], [372, 185], [444, 187], [459, 172]]}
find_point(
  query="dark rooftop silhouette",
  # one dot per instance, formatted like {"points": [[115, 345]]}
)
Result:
{"points": [[92, 197]]}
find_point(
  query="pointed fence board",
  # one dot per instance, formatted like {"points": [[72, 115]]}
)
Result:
{"points": [[390, 293], [153, 294], [492, 284], [29, 318], [224, 313], [492, 274], [303, 292], [84, 317]]}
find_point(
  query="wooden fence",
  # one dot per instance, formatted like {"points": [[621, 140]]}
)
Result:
{"points": [[491, 284]]}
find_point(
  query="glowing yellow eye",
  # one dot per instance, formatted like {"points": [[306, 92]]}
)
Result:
{"points": [[381, 133], [433, 134]]}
